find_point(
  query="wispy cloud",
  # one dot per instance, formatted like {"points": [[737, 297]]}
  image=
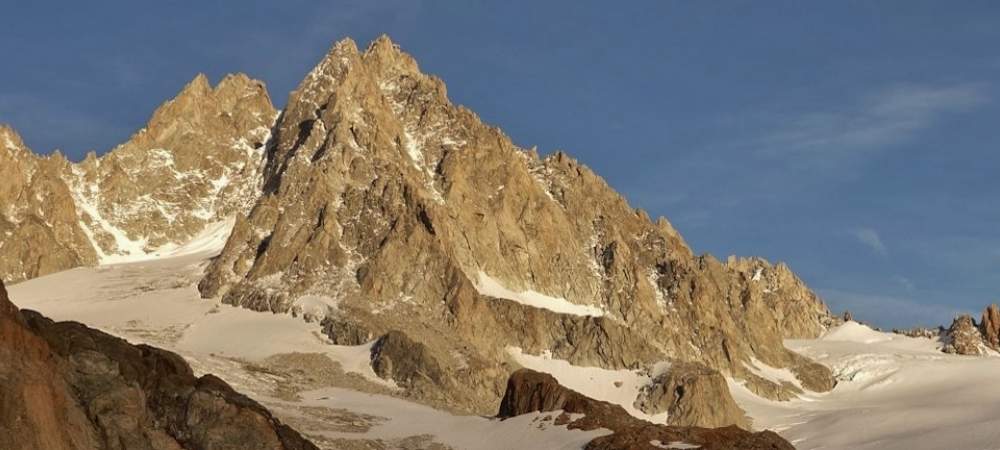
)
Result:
{"points": [[871, 238], [883, 118], [905, 282]]}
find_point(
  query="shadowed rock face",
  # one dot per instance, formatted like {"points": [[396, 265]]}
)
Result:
{"points": [[66, 386], [529, 391], [383, 196]]}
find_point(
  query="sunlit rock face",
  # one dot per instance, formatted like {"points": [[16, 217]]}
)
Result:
{"points": [[408, 217], [196, 163]]}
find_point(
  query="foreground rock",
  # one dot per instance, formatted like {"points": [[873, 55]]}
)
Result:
{"points": [[66, 386], [405, 215], [529, 391]]}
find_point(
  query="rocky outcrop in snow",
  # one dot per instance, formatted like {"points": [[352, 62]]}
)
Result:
{"points": [[691, 394], [529, 391], [964, 338], [922, 332], [989, 326], [66, 386]]}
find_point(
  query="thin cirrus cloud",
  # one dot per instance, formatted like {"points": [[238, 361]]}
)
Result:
{"points": [[904, 282], [871, 239], [887, 117]]}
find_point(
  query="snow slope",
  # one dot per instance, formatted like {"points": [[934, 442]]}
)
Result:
{"points": [[157, 302], [893, 392], [460, 432]]}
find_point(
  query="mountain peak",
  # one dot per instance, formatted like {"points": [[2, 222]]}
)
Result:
{"points": [[393, 202], [198, 86], [10, 139], [389, 58], [344, 55], [344, 46], [381, 44], [241, 83]]}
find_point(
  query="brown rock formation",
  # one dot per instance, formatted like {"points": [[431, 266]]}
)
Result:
{"points": [[990, 326], [921, 332], [529, 391], [38, 224], [195, 163], [413, 216], [692, 394], [384, 196], [964, 338], [66, 386]]}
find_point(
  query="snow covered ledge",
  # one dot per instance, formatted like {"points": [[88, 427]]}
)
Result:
{"points": [[489, 286]]}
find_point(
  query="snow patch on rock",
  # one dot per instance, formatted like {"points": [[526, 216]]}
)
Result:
{"points": [[489, 286], [620, 387]]}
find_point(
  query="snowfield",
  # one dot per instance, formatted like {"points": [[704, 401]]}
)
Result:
{"points": [[893, 392], [156, 302]]}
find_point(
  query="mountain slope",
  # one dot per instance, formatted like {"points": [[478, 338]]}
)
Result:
{"points": [[38, 224], [401, 221], [397, 214], [195, 164]]}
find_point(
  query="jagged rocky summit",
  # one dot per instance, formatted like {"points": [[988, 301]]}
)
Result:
{"points": [[195, 164], [375, 206], [402, 215]]}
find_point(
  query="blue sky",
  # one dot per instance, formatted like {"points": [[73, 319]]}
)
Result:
{"points": [[857, 141]]}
